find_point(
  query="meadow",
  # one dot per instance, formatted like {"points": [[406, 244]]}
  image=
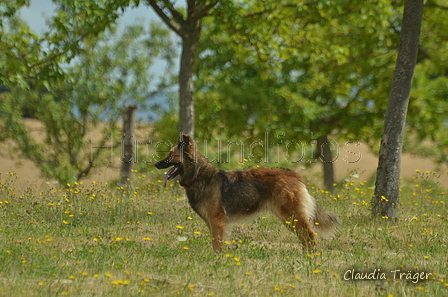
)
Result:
{"points": [[100, 239]]}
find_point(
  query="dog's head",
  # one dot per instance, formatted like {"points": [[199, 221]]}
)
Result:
{"points": [[178, 157]]}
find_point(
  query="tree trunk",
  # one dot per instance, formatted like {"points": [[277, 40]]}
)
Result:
{"points": [[386, 197], [189, 29], [186, 103], [326, 157], [128, 143]]}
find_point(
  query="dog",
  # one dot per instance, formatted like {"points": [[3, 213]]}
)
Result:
{"points": [[222, 197]]}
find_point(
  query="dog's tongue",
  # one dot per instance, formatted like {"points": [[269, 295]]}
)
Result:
{"points": [[167, 176], [166, 179]]}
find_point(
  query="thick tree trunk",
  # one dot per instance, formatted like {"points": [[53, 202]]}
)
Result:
{"points": [[186, 103], [386, 195], [128, 143], [326, 157]]}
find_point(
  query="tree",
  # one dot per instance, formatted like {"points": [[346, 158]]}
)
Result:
{"points": [[110, 70], [29, 60], [316, 69], [386, 195], [188, 27], [128, 143], [310, 71]]}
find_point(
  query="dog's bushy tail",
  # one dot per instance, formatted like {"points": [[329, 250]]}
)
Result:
{"points": [[325, 223]]}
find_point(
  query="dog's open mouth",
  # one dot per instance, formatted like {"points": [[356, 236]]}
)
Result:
{"points": [[172, 173]]}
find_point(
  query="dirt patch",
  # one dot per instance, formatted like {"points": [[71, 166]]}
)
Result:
{"points": [[355, 162]]}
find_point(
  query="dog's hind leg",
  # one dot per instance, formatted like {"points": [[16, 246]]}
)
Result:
{"points": [[298, 223], [296, 216], [302, 227]]}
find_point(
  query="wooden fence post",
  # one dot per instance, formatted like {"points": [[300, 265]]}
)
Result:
{"points": [[128, 143]]}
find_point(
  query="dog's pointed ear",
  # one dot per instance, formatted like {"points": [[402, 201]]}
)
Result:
{"points": [[184, 138]]}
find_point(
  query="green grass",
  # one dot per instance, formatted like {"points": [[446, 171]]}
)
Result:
{"points": [[100, 240]]}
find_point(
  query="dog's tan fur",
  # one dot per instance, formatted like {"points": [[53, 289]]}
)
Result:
{"points": [[222, 197]]}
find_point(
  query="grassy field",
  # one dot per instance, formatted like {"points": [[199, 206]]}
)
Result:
{"points": [[97, 239]]}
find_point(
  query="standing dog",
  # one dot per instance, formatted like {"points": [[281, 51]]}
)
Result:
{"points": [[222, 197]]}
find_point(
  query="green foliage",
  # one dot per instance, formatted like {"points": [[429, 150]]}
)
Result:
{"points": [[26, 56], [429, 98], [110, 70], [301, 70], [321, 67], [10, 8], [20, 54], [318, 69], [166, 128]]}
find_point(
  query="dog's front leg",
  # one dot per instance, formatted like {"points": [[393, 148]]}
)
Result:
{"points": [[217, 225]]}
